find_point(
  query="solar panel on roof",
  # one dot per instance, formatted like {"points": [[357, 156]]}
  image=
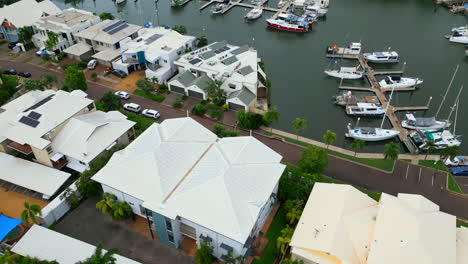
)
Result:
{"points": [[195, 61], [29, 121], [116, 24], [34, 115], [118, 29], [152, 39], [43, 101]]}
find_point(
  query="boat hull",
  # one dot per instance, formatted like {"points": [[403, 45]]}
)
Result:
{"points": [[405, 83], [285, 28], [341, 75], [439, 125], [381, 134], [462, 40]]}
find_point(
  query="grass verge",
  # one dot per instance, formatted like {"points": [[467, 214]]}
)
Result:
{"points": [[155, 97], [27, 60], [461, 223], [383, 164], [452, 185]]}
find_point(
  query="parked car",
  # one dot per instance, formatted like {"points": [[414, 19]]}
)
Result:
{"points": [[40, 51], [132, 107], [24, 74], [122, 94], [10, 72], [92, 64], [11, 45], [459, 171], [151, 113], [119, 73]]}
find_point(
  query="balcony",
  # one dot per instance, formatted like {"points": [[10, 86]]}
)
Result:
{"points": [[25, 149], [59, 164], [130, 60]]}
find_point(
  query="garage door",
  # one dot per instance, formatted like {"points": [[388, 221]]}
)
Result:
{"points": [[195, 94], [177, 89], [236, 107], [188, 231]]}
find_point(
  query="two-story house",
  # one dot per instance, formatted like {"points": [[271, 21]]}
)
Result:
{"points": [[190, 184], [155, 50], [23, 14], [65, 24], [102, 41], [237, 67]]}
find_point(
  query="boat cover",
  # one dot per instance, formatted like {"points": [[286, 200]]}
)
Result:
{"points": [[367, 130], [425, 121]]}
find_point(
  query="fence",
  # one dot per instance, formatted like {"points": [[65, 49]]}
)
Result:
{"points": [[56, 209]]}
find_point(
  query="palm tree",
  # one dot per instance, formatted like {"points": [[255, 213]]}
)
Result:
{"points": [[299, 124], [120, 210], [271, 116], [30, 212], [329, 138], [449, 152], [358, 144], [282, 244], [215, 91], [293, 215], [99, 258], [292, 261], [391, 151], [52, 40], [107, 202], [431, 146], [288, 231]]}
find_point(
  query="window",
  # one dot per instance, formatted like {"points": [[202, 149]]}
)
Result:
{"points": [[165, 61], [170, 236], [64, 35], [49, 149], [168, 224], [82, 163], [232, 86], [90, 106]]}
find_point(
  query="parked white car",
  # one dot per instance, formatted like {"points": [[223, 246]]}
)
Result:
{"points": [[132, 107], [122, 94], [92, 64], [151, 113]]}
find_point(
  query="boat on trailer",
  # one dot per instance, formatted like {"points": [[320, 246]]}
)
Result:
{"points": [[353, 49], [398, 82], [351, 73], [365, 109], [423, 123], [289, 22], [382, 57]]}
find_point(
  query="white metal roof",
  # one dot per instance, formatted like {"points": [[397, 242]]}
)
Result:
{"points": [[462, 245], [31, 175], [58, 107], [180, 168], [86, 136], [78, 49], [336, 220], [97, 32], [26, 12], [66, 20], [46, 244]]}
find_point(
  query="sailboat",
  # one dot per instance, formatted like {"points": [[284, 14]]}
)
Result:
{"points": [[372, 133], [351, 73], [429, 123], [398, 82]]}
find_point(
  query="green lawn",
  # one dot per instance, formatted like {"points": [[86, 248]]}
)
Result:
{"points": [[270, 253], [155, 97], [439, 165], [27, 60], [383, 164], [452, 184], [461, 223]]}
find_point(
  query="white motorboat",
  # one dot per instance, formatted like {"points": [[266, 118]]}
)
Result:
{"points": [[371, 133], [282, 3], [253, 14], [457, 161], [345, 73], [461, 30], [353, 49], [219, 8], [256, 2], [459, 38], [323, 3], [441, 138], [365, 109], [382, 57], [398, 82], [119, 1], [317, 10], [423, 123]]}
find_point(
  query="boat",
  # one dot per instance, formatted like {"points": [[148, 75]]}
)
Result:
{"points": [[310, 18], [119, 1], [323, 3], [423, 123], [461, 30], [348, 97], [353, 49], [457, 161], [365, 109], [345, 73], [371, 133], [317, 10], [177, 3], [441, 138], [219, 8], [382, 57], [281, 3], [398, 82], [289, 22], [459, 38], [256, 2], [253, 14]]}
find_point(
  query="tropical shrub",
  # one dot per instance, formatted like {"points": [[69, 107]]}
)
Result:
{"points": [[249, 120], [177, 104], [215, 114], [313, 160], [199, 110], [204, 254]]}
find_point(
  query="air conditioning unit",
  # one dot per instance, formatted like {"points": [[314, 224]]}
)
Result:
{"points": [[189, 57], [212, 63]]}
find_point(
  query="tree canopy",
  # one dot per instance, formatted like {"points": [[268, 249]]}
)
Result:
{"points": [[391, 151], [180, 28], [75, 79], [99, 257], [271, 116], [110, 101], [299, 125], [204, 254], [313, 160], [106, 15], [52, 40]]}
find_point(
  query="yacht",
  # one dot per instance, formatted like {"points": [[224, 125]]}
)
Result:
{"points": [[345, 73], [371, 133], [353, 49], [317, 9], [423, 123], [289, 22], [441, 138], [119, 1], [398, 82], [253, 14], [382, 57], [459, 38], [461, 30], [281, 3], [219, 8], [365, 109]]}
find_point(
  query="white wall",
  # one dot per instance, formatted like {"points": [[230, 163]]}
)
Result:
{"points": [[56, 209], [132, 201], [75, 165]]}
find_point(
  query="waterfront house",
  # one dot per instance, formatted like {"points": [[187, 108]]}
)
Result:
{"points": [[102, 41], [46, 244], [340, 224], [189, 184], [23, 14], [65, 24], [31, 122], [237, 67], [154, 50]]}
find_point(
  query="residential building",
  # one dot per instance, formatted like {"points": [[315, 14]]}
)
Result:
{"points": [[46, 244], [23, 14], [30, 123], [189, 184], [65, 24], [154, 50], [31, 176], [102, 41], [340, 224], [236, 66]]}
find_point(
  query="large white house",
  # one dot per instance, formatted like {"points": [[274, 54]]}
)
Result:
{"points": [[190, 184], [236, 66], [340, 224], [65, 24], [154, 50]]}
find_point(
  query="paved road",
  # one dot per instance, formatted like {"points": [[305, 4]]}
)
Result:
{"points": [[431, 183]]}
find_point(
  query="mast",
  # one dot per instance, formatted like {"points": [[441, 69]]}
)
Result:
{"points": [[446, 92], [386, 109], [455, 104], [456, 117]]}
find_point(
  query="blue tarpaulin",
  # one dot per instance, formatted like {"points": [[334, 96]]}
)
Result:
{"points": [[7, 224]]}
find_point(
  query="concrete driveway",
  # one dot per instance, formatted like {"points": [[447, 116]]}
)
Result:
{"points": [[87, 224]]}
